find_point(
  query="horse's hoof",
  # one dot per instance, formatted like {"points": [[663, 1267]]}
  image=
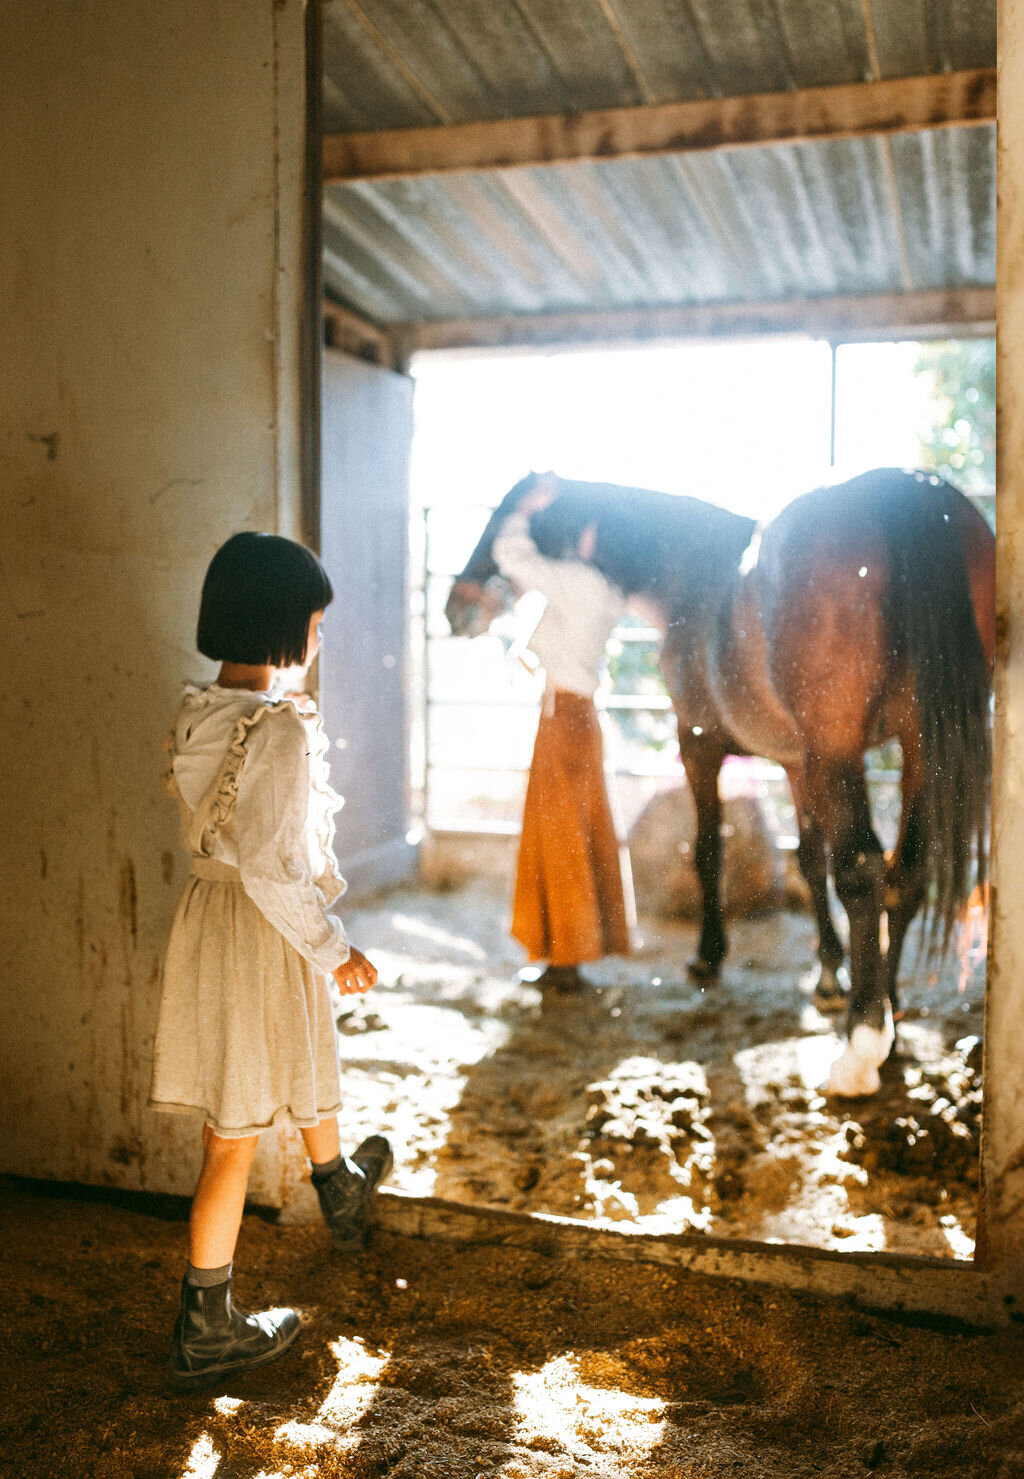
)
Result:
{"points": [[827, 988], [700, 969], [855, 1073], [828, 999], [852, 1078]]}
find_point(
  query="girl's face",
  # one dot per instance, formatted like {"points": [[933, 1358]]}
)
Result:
{"points": [[313, 638]]}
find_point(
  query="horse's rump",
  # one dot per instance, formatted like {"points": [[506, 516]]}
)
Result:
{"points": [[873, 618]]}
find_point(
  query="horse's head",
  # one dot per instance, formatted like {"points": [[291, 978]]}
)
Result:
{"points": [[472, 606], [562, 525]]}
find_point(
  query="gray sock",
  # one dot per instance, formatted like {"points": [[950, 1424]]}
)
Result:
{"points": [[207, 1278], [323, 1169]]}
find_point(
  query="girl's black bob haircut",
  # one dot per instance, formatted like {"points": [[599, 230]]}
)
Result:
{"points": [[258, 596]]}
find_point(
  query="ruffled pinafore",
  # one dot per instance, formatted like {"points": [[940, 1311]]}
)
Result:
{"points": [[245, 1035]]}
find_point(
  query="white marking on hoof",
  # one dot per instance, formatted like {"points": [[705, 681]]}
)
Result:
{"points": [[855, 1072]]}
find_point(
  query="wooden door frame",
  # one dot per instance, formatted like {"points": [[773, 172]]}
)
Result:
{"points": [[991, 1288]]}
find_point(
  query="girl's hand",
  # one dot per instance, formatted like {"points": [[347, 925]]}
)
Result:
{"points": [[356, 975]]}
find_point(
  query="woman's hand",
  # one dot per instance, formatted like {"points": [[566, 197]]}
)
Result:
{"points": [[356, 975]]}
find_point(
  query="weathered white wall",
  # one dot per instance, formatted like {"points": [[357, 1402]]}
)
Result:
{"points": [[150, 298], [1003, 1166]]}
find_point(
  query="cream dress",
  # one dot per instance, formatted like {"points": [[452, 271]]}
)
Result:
{"points": [[246, 1034]]}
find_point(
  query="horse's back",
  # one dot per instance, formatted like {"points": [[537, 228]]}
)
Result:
{"points": [[885, 512], [834, 571]]}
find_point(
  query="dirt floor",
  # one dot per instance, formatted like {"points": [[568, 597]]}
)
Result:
{"points": [[420, 1361], [641, 1101], [650, 1102]]}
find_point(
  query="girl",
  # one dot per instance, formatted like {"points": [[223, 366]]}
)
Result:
{"points": [[246, 1035], [573, 894]]}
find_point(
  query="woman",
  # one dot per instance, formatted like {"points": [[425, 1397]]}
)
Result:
{"points": [[570, 895]]}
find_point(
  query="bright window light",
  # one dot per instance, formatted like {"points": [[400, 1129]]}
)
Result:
{"points": [[745, 425], [881, 407]]}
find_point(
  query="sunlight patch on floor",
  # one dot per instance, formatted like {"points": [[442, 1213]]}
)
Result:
{"points": [[425, 1038], [920, 1043], [555, 1404], [818, 1199], [688, 1076], [813, 1022], [629, 1114], [805, 1060], [228, 1406], [478, 1081], [960, 1244], [203, 1460], [421, 929], [415, 1112], [349, 1398], [353, 1390], [680, 1214]]}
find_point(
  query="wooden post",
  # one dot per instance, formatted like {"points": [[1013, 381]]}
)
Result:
{"points": [[1001, 1249]]}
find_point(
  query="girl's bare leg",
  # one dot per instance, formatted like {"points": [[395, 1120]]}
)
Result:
{"points": [[212, 1337], [322, 1142], [219, 1199]]}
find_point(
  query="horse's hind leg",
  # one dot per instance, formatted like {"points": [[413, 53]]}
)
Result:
{"points": [[838, 794], [904, 894], [905, 883], [703, 761], [828, 994]]}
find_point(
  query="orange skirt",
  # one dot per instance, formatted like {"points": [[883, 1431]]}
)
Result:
{"points": [[570, 903]]}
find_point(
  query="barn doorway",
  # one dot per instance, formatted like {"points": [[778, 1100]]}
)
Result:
{"points": [[522, 185], [458, 1030]]}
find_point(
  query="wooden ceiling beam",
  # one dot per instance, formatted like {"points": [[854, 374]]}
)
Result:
{"points": [[894, 105], [347, 330], [959, 313]]}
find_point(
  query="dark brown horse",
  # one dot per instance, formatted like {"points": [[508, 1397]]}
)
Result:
{"points": [[862, 612]]}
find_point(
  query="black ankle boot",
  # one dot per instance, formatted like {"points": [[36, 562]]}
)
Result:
{"points": [[562, 978], [213, 1340], [345, 1195]]}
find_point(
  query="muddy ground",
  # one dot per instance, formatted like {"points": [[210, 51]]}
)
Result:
{"points": [[643, 1100], [651, 1102], [420, 1361]]}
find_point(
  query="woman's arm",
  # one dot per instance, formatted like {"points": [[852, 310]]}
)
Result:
{"points": [[564, 582], [520, 561]]}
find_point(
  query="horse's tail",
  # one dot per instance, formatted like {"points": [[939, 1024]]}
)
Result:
{"points": [[932, 626]]}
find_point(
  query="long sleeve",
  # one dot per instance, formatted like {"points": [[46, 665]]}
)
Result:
{"points": [[583, 607], [273, 844], [519, 559]]}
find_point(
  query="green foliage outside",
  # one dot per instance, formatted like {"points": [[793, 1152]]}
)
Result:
{"points": [[959, 442], [633, 669]]}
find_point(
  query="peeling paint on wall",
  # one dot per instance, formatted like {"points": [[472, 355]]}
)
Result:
{"points": [[129, 900]]}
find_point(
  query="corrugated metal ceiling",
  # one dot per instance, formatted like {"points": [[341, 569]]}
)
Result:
{"points": [[850, 217]]}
